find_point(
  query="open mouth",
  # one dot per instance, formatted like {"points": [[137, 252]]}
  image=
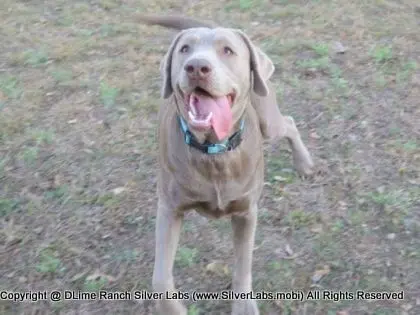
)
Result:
{"points": [[199, 116], [206, 111]]}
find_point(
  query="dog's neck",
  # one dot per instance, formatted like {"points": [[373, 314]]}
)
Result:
{"points": [[217, 147], [209, 143]]}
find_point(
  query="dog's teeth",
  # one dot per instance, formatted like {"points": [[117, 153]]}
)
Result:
{"points": [[209, 116], [198, 120], [192, 107]]}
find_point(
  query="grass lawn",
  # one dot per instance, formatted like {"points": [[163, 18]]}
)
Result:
{"points": [[79, 92]]}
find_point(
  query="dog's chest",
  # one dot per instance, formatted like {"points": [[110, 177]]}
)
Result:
{"points": [[219, 186], [233, 207], [219, 199]]}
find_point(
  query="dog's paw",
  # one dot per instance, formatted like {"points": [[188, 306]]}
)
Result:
{"points": [[303, 162], [172, 307], [245, 307]]}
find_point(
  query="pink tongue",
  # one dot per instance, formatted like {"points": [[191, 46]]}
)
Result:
{"points": [[222, 115]]}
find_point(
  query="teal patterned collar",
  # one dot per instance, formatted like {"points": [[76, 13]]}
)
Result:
{"points": [[212, 148]]}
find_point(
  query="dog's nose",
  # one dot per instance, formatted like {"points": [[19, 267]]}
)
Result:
{"points": [[197, 68]]}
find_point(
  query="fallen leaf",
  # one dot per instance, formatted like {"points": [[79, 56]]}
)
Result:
{"points": [[380, 189], [407, 307], [343, 312], [288, 250], [320, 273], [280, 178], [13, 239], [339, 48], [118, 190], [413, 182], [342, 205], [99, 275], [316, 228], [314, 135], [57, 180], [87, 141], [218, 268], [78, 276], [122, 109], [38, 230], [391, 236]]}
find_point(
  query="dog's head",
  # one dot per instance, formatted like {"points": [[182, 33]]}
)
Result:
{"points": [[211, 73]]}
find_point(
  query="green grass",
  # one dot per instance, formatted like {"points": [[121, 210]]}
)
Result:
{"points": [[42, 137], [299, 219], [127, 255], [340, 85], [357, 218], [108, 4], [57, 193], [411, 146], [35, 57], [385, 311], [65, 19], [193, 310], [7, 206], [108, 30], [186, 257], [407, 69], [95, 285], [223, 226], [318, 64], [29, 155], [72, 71], [108, 200], [10, 86], [380, 80], [243, 5], [246, 4], [396, 198], [382, 54], [62, 75], [2, 166], [321, 49], [49, 263], [287, 11], [108, 94]]}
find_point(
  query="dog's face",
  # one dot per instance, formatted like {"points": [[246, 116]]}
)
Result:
{"points": [[210, 72]]}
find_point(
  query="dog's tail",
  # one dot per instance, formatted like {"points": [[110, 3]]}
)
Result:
{"points": [[174, 21]]}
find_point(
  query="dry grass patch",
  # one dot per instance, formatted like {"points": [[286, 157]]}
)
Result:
{"points": [[79, 92]]}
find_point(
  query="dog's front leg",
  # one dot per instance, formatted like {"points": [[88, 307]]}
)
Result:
{"points": [[168, 227], [243, 241]]}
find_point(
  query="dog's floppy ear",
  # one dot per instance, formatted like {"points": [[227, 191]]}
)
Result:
{"points": [[261, 66], [166, 65]]}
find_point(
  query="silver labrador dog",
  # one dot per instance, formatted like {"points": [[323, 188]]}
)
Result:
{"points": [[219, 106]]}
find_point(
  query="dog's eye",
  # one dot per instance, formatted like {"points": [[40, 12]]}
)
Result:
{"points": [[227, 50], [185, 48]]}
